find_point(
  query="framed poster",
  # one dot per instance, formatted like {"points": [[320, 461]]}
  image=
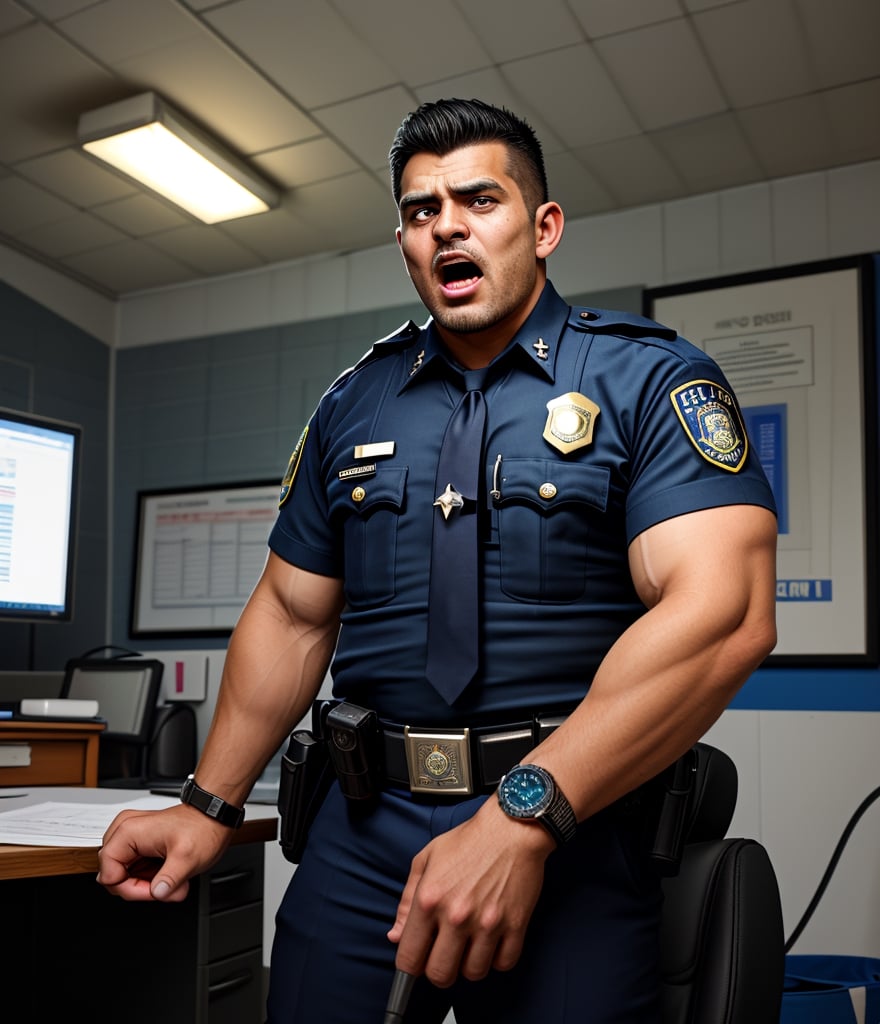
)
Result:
{"points": [[198, 555], [798, 348]]}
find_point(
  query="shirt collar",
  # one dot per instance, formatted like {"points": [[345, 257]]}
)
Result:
{"points": [[536, 343]]}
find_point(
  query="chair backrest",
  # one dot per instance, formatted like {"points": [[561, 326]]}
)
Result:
{"points": [[722, 941]]}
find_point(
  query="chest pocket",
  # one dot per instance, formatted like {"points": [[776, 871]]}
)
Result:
{"points": [[370, 509], [544, 516]]}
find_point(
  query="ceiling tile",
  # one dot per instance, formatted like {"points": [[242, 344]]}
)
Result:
{"points": [[208, 250], [226, 97], [12, 16], [662, 73], [790, 137], [117, 30], [843, 38], [43, 115], [419, 42], [71, 175], [307, 39], [130, 266], [634, 171], [141, 215], [607, 17], [366, 126], [854, 115], [575, 188], [355, 211], [710, 154], [755, 67], [536, 27], [305, 163], [24, 205], [75, 234], [589, 109], [278, 236]]}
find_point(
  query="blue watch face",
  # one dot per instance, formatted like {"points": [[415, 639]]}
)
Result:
{"points": [[525, 792]]}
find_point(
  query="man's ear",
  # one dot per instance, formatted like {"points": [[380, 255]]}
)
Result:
{"points": [[549, 225]]}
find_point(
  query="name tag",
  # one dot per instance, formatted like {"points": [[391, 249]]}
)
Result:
{"points": [[373, 451]]}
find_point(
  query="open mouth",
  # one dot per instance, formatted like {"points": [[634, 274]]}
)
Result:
{"points": [[460, 274]]}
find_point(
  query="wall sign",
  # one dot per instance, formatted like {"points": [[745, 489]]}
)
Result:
{"points": [[798, 347]]}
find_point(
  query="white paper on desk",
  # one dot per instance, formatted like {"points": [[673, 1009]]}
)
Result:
{"points": [[64, 824]]}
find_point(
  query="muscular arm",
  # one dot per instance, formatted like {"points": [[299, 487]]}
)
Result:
{"points": [[707, 580], [277, 658]]}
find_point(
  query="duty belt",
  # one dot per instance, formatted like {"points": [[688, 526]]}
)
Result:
{"points": [[459, 762]]}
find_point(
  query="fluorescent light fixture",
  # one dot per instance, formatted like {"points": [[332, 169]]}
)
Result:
{"points": [[149, 141]]}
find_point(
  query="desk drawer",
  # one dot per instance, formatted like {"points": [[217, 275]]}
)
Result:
{"points": [[229, 932], [231, 991], [236, 880], [53, 763]]}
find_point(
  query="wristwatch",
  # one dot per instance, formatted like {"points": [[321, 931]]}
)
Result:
{"points": [[207, 803], [530, 793]]}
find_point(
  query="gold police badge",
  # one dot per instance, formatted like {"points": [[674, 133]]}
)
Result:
{"points": [[570, 422]]}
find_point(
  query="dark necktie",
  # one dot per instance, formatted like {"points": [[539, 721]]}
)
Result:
{"points": [[453, 592]]}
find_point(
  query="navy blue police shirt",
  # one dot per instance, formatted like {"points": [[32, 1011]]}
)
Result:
{"points": [[600, 424]]}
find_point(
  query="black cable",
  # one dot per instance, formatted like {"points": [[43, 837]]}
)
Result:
{"points": [[126, 653], [832, 864]]}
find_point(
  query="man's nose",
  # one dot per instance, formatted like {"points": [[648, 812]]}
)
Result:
{"points": [[450, 223]]}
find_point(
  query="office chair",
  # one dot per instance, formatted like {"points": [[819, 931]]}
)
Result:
{"points": [[722, 940]]}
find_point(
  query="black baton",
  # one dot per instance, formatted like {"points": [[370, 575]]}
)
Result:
{"points": [[399, 997]]}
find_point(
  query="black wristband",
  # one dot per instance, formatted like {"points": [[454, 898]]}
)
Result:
{"points": [[213, 806]]}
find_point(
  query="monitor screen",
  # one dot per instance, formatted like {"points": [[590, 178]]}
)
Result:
{"points": [[127, 693], [39, 461]]}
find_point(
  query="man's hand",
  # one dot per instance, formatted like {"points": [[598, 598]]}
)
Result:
{"points": [[469, 898], [151, 855]]}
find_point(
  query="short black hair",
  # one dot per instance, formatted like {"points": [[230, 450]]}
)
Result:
{"points": [[442, 126]]}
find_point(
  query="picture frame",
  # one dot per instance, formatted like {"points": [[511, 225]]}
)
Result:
{"points": [[199, 552], [798, 346]]}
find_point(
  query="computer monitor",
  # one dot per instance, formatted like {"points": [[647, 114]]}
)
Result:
{"points": [[127, 692], [39, 460]]}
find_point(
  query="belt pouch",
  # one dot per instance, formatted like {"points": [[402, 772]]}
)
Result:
{"points": [[306, 775], [674, 804], [353, 740]]}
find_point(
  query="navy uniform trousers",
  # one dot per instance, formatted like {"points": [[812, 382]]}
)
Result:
{"points": [[591, 948]]}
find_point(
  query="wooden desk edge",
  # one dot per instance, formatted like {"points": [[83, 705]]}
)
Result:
{"points": [[43, 861]]}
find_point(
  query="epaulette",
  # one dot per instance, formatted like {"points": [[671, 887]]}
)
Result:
{"points": [[397, 341], [614, 321]]}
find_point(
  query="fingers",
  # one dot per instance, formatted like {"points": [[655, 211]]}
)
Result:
{"points": [[150, 855]]}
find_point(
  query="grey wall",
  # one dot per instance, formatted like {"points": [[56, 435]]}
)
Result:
{"points": [[49, 367]]}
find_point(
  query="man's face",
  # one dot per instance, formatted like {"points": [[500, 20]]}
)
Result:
{"points": [[468, 241]]}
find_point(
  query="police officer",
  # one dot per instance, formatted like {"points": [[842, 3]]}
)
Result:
{"points": [[623, 569]]}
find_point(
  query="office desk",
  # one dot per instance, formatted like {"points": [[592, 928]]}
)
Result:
{"points": [[62, 753], [67, 947]]}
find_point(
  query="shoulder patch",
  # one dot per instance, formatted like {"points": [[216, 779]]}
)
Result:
{"points": [[292, 467], [712, 420]]}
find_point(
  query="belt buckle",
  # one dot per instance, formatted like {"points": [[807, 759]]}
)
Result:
{"points": [[439, 761]]}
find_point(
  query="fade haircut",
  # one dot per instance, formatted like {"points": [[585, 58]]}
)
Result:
{"points": [[445, 125]]}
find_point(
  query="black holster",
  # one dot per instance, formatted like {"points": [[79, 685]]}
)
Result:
{"points": [[677, 784], [306, 776]]}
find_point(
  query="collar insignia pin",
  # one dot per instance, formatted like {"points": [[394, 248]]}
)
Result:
{"points": [[541, 348]]}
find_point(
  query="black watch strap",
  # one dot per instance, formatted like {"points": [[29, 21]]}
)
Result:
{"points": [[213, 806], [559, 818]]}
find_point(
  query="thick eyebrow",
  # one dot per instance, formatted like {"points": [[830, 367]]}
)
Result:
{"points": [[464, 188]]}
